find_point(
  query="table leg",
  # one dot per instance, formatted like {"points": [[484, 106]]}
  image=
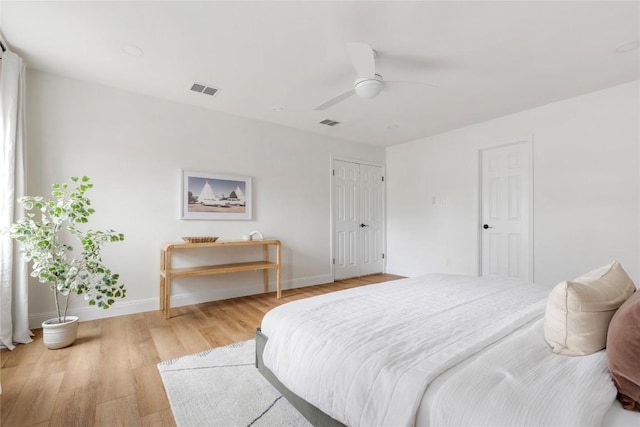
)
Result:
{"points": [[167, 298], [166, 263], [278, 261], [265, 273], [162, 276]]}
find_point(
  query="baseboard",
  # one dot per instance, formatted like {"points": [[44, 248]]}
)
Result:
{"points": [[121, 308], [93, 313], [307, 281]]}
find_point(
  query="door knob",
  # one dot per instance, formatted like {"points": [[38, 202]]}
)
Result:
{"points": [[486, 226], [363, 225]]}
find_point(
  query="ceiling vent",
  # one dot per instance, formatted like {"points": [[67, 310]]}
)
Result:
{"points": [[329, 122], [207, 90]]}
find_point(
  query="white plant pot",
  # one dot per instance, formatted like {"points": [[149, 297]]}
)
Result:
{"points": [[59, 335]]}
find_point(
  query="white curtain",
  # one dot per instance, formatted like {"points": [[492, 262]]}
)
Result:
{"points": [[14, 314]]}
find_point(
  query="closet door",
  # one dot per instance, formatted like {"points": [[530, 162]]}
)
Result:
{"points": [[345, 219], [371, 214], [358, 219]]}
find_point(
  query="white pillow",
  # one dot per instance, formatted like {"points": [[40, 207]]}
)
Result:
{"points": [[579, 311]]}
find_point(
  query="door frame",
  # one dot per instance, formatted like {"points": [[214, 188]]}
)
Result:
{"points": [[331, 207], [528, 142]]}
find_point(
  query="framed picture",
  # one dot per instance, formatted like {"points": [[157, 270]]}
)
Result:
{"points": [[215, 196]]}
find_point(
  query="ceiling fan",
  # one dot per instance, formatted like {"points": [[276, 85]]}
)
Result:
{"points": [[368, 84]]}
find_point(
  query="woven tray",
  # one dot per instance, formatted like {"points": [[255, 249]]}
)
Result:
{"points": [[202, 239]]}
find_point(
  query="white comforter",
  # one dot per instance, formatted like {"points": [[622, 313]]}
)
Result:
{"points": [[364, 356], [520, 382]]}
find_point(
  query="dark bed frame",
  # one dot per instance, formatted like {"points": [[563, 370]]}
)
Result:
{"points": [[310, 412]]}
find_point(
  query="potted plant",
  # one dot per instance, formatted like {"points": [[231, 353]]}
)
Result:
{"points": [[45, 234]]}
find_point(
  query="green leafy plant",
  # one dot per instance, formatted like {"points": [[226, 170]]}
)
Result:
{"points": [[44, 234]]}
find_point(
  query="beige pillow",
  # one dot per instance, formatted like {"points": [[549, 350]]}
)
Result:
{"points": [[579, 311]]}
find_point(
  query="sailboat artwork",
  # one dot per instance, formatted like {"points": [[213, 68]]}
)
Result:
{"points": [[209, 196]]}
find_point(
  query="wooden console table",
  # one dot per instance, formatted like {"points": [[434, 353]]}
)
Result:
{"points": [[167, 273]]}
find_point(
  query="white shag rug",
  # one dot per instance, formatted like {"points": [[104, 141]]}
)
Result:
{"points": [[222, 387]]}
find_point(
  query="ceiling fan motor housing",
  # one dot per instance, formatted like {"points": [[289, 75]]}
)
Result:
{"points": [[369, 87]]}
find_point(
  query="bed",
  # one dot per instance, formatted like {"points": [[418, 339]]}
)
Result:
{"points": [[432, 350]]}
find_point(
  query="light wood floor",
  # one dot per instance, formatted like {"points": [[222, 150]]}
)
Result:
{"points": [[109, 376]]}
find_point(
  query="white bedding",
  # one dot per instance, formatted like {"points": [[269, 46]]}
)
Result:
{"points": [[365, 355], [519, 382]]}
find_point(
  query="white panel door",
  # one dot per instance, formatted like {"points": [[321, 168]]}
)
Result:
{"points": [[506, 211], [358, 219], [371, 220], [345, 219]]}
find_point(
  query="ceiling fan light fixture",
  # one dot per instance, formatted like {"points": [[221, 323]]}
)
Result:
{"points": [[369, 87]]}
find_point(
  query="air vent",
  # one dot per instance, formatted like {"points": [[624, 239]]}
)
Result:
{"points": [[329, 122], [207, 90]]}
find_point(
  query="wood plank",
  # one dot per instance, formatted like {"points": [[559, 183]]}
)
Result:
{"points": [[84, 357], [13, 380], [205, 270], [51, 361], [75, 407], [23, 353], [118, 412], [148, 390], [159, 419], [183, 245], [142, 350], [167, 343], [188, 333], [114, 358], [36, 400]]}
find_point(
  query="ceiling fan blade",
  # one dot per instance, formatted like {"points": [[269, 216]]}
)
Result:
{"points": [[333, 101], [362, 58], [389, 84]]}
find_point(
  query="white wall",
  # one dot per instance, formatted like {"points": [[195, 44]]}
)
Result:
{"points": [[133, 147], [586, 189]]}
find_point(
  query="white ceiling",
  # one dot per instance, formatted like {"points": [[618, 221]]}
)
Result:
{"points": [[488, 59]]}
